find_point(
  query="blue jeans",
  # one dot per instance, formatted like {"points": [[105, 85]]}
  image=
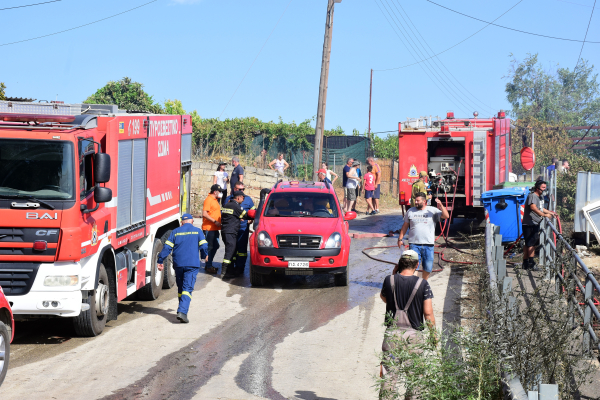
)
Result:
{"points": [[426, 254]]}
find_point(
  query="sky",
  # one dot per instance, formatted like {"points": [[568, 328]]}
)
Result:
{"points": [[233, 58]]}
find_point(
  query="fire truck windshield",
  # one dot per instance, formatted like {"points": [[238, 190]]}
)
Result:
{"points": [[39, 168]]}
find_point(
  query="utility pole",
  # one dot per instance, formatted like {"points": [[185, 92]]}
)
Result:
{"points": [[320, 123], [370, 99]]}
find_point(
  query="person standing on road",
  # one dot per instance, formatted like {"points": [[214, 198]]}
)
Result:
{"points": [[421, 238], [220, 179], [185, 242], [377, 193], [369, 189], [211, 225], [409, 309], [351, 185], [238, 173], [420, 186], [358, 186], [232, 214], [241, 250], [534, 212], [345, 171], [280, 165], [322, 174], [329, 173]]}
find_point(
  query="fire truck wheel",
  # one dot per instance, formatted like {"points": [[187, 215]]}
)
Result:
{"points": [[91, 322], [342, 279], [169, 272], [256, 278], [153, 288], [4, 351]]}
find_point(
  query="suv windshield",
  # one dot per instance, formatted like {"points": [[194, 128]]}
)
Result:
{"points": [[301, 204], [37, 168]]}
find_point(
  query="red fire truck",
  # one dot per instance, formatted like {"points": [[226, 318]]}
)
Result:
{"points": [[463, 157], [88, 194]]}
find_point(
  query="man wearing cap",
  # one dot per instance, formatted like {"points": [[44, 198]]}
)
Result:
{"points": [[421, 238], [232, 214], [185, 242], [211, 224], [322, 174], [420, 186], [241, 250]]}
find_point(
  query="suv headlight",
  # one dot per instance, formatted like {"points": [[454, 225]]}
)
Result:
{"points": [[334, 241], [264, 240]]}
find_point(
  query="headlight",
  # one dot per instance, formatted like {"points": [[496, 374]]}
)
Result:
{"points": [[70, 280], [264, 240], [334, 241]]}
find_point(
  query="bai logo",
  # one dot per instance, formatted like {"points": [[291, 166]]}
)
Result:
{"points": [[34, 215]]}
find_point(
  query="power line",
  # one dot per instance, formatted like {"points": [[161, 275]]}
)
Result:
{"points": [[442, 63], [255, 58], [77, 27], [506, 27], [451, 47], [29, 5], [443, 90], [586, 33]]}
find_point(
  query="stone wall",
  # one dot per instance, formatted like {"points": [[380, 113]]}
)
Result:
{"points": [[255, 179]]}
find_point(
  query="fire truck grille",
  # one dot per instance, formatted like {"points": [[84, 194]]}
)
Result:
{"points": [[298, 242], [17, 279]]}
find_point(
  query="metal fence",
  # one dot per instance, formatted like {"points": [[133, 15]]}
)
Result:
{"points": [[501, 286]]}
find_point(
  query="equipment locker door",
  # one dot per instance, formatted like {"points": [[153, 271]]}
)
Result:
{"points": [[479, 171]]}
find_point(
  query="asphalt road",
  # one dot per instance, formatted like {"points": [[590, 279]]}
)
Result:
{"points": [[295, 338]]}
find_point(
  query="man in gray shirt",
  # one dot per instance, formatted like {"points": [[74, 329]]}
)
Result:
{"points": [[534, 212], [421, 238]]}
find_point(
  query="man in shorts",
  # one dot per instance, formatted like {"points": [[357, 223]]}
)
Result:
{"points": [[377, 173], [345, 171], [534, 212], [421, 238]]}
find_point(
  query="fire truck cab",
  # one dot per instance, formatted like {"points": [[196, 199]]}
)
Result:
{"points": [[463, 157], [88, 194]]}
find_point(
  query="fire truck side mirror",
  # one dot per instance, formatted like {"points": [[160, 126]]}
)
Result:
{"points": [[102, 194], [101, 167]]}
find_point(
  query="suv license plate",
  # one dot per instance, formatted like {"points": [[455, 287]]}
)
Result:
{"points": [[297, 264]]}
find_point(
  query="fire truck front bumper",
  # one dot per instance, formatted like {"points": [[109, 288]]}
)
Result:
{"points": [[37, 290]]}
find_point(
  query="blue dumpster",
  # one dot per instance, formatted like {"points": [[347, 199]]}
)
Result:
{"points": [[504, 209]]}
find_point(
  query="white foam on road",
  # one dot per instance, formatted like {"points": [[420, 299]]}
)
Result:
{"points": [[121, 356]]}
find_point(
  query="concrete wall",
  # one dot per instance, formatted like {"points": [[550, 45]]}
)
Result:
{"points": [[202, 179]]}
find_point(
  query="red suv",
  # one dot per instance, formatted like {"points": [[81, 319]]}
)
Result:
{"points": [[7, 332], [300, 229]]}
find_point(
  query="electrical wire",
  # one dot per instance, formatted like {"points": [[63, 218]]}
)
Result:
{"points": [[29, 5], [255, 58], [441, 62], [430, 73], [586, 33], [506, 27], [453, 46], [80, 26]]}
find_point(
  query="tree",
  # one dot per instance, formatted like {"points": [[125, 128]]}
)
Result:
{"points": [[127, 95], [2, 91], [556, 95]]}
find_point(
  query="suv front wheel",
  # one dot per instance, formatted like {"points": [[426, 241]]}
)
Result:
{"points": [[342, 279], [256, 278]]}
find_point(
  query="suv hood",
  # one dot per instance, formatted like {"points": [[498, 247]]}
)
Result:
{"points": [[307, 226]]}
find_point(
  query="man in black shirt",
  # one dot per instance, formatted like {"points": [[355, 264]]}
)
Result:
{"points": [[534, 212], [238, 173], [231, 217], [404, 283]]}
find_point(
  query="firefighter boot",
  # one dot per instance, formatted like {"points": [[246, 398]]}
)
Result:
{"points": [[182, 317]]}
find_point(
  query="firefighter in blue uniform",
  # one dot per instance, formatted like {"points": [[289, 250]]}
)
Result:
{"points": [[185, 242], [241, 251], [231, 216]]}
